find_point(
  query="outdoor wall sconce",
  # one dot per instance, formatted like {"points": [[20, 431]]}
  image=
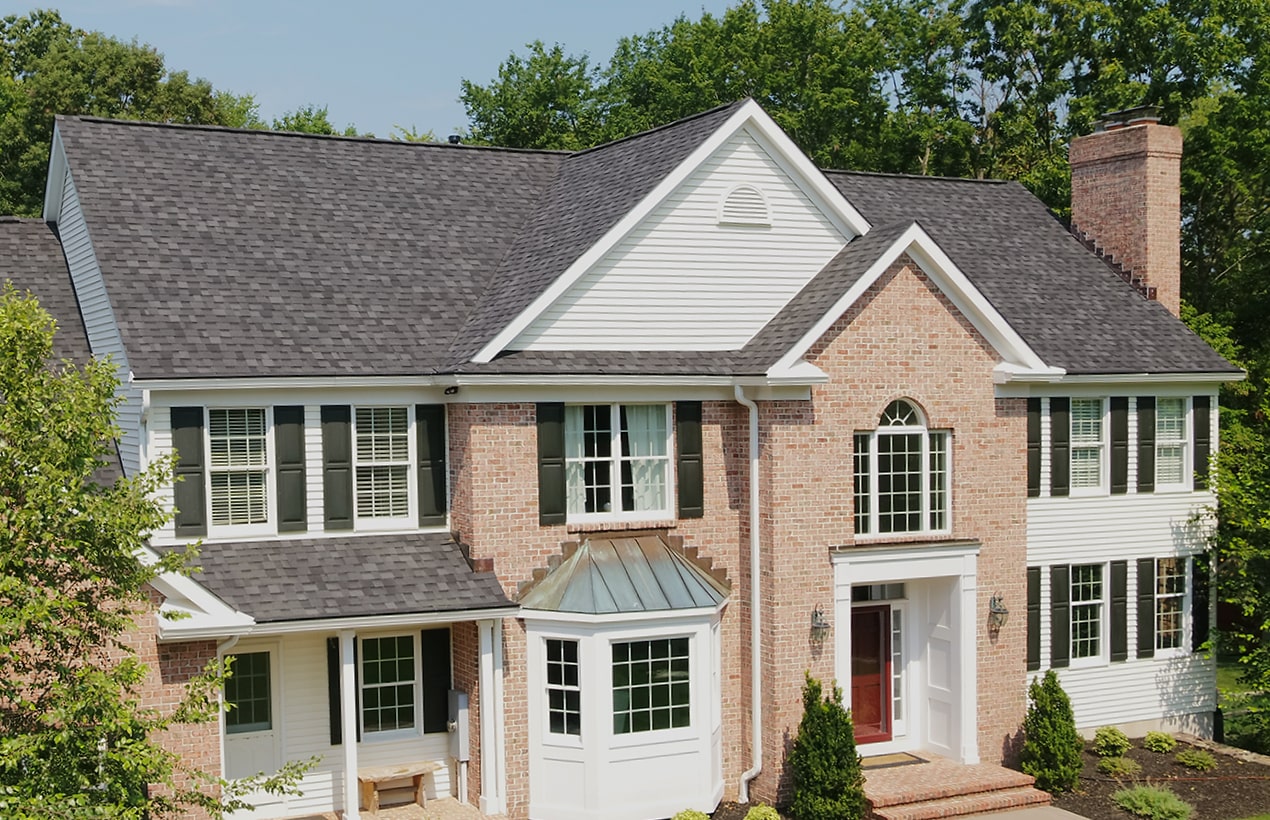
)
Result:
{"points": [[819, 626], [997, 613]]}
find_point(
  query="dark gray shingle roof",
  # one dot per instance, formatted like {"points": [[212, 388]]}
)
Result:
{"points": [[31, 257], [308, 578]]}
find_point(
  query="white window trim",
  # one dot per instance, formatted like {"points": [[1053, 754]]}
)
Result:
{"points": [[392, 734], [270, 525], [551, 738], [1104, 618], [925, 432], [1103, 446], [615, 460], [1186, 485], [1184, 640], [410, 520]]}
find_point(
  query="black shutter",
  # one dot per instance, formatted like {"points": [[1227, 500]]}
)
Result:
{"points": [[1060, 616], [1201, 579], [435, 651], [1034, 452], [288, 437], [1203, 441], [1119, 610], [1060, 445], [689, 473], [1119, 444], [551, 485], [337, 466], [190, 491], [1146, 607], [1033, 618], [1146, 444], [333, 690], [430, 426]]}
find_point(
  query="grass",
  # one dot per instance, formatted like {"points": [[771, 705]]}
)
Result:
{"points": [[1228, 682]]}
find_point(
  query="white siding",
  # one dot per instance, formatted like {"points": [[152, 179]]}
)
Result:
{"points": [[99, 319], [313, 495], [159, 444], [683, 281], [1072, 530]]}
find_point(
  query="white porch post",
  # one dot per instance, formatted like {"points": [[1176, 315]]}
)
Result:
{"points": [[493, 751], [348, 710]]}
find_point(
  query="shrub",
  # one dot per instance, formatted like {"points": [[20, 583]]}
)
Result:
{"points": [[691, 814], [761, 812], [1051, 746], [1197, 759], [1111, 742], [828, 781], [1153, 802], [1119, 767], [1158, 742]]}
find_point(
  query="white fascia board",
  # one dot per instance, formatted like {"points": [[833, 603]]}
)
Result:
{"points": [[1122, 384], [207, 615], [287, 382], [952, 282], [1023, 379], [800, 373], [784, 151], [55, 182], [382, 621]]}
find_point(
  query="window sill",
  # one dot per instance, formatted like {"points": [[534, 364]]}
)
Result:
{"points": [[622, 526]]}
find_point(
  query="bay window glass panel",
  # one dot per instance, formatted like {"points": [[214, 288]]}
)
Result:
{"points": [[247, 694], [1170, 599], [1086, 611], [1170, 441], [564, 698], [238, 466], [651, 685], [383, 462], [1086, 442], [388, 683]]}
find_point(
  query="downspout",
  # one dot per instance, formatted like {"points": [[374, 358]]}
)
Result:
{"points": [[221, 648], [756, 673]]}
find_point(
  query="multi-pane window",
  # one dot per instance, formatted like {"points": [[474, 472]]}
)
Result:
{"points": [[902, 474], [247, 694], [650, 685], [1170, 602], [388, 683], [1087, 610], [1170, 441], [564, 698], [382, 454], [238, 466], [1087, 442], [617, 458]]}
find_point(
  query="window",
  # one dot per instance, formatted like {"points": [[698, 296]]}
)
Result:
{"points": [[238, 467], [901, 475], [1170, 603], [564, 698], [247, 694], [650, 685], [388, 683], [1087, 443], [382, 457], [1170, 442], [617, 459], [1087, 611]]}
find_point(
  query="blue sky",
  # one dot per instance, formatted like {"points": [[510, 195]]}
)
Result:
{"points": [[373, 63]]}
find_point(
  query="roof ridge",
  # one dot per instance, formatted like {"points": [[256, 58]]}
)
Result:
{"points": [[929, 177], [664, 126], [21, 220]]}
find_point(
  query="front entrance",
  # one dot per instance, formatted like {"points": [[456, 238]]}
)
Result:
{"points": [[871, 673]]}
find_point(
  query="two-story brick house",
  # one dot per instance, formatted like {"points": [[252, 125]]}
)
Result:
{"points": [[619, 443]]}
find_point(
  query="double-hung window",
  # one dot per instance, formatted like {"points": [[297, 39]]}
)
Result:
{"points": [[1171, 444], [1170, 603], [1088, 598], [388, 676], [1088, 446], [564, 694], [902, 475], [382, 460], [238, 466], [617, 460]]}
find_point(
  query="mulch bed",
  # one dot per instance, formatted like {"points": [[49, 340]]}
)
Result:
{"points": [[732, 811], [1234, 790]]}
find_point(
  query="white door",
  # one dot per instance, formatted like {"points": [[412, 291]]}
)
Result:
{"points": [[251, 737]]}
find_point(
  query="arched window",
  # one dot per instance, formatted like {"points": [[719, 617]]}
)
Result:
{"points": [[902, 474]]}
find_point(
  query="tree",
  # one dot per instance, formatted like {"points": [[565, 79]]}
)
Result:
{"points": [[311, 119], [74, 740], [1052, 747], [828, 780]]}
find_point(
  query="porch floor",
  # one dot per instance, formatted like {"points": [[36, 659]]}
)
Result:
{"points": [[441, 808], [938, 787]]}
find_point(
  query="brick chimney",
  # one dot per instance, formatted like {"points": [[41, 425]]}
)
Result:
{"points": [[1126, 197]]}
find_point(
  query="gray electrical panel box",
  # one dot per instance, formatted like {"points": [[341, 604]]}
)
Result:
{"points": [[460, 745]]}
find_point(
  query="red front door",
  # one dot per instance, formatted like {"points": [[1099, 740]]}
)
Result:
{"points": [[871, 673]]}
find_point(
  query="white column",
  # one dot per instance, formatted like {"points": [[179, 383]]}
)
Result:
{"points": [[493, 755], [348, 710], [967, 590]]}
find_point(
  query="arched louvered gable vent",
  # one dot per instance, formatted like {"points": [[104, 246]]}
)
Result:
{"points": [[744, 205]]}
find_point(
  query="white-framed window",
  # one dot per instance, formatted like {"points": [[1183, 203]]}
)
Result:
{"points": [[1171, 444], [617, 461], [238, 467], [1088, 610], [902, 475], [248, 694], [1088, 447], [389, 674], [564, 687], [1171, 603], [382, 461], [651, 685]]}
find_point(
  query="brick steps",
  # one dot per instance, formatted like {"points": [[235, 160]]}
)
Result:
{"points": [[964, 804]]}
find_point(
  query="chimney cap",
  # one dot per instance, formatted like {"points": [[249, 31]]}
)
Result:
{"points": [[1129, 116]]}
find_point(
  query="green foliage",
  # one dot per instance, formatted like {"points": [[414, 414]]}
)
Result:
{"points": [[1111, 742], [691, 814], [1197, 759], [73, 739], [1119, 767], [1154, 802], [1159, 742], [828, 780], [311, 119], [1052, 747], [1248, 722], [762, 812]]}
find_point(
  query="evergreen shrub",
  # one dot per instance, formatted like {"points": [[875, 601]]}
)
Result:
{"points": [[1159, 742], [1111, 742], [1153, 802], [828, 780], [1119, 767], [761, 812], [1051, 745], [1197, 759], [691, 814]]}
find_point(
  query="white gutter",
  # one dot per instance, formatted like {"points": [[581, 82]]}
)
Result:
{"points": [[756, 674]]}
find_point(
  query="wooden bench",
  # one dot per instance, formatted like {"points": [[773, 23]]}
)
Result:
{"points": [[370, 780]]}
